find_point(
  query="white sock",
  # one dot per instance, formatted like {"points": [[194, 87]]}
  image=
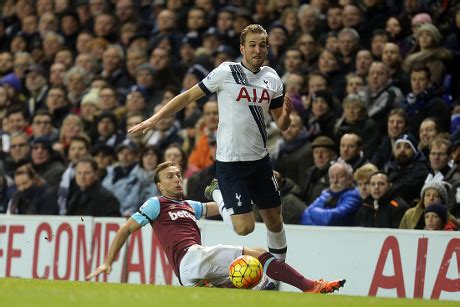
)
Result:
{"points": [[224, 212], [276, 242]]}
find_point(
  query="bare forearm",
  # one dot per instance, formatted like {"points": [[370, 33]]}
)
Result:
{"points": [[171, 108], [282, 115], [180, 101], [117, 243], [174, 105], [283, 122]]}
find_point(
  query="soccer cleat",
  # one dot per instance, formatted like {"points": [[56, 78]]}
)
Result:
{"points": [[270, 286], [322, 286], [265, 283], [214, 185]]}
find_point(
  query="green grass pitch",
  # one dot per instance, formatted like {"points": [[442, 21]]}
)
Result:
{"points": [[28, 292]]}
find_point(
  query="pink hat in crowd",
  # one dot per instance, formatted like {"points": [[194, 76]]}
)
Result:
{"points": [[421, 18]]}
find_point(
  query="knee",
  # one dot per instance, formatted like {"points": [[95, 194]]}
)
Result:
{"points": [[274, 225], [244, 229], [273, 219]]}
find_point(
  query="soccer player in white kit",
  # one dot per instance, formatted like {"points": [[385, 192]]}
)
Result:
{"points": [[246, 91]]}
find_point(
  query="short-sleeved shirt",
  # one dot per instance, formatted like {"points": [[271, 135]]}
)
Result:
{"points": [[175, 224], [244, 99]]}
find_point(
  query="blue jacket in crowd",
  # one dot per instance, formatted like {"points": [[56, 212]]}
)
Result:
{"points": [[333, 208]]}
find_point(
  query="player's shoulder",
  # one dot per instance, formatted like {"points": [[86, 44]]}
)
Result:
{"points": [[220, 71], [150, 208], [227, 65], [151, 202], [270, 71]]}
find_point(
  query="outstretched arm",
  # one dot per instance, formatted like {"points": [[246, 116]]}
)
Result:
{"points": [[281, 115], [120, 238], [172, 107]]}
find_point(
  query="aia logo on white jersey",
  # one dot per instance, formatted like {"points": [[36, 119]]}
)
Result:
{"points": [[183, 213], [253, 95]]}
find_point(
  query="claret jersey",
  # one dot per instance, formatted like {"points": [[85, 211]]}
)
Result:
{"points": [[244, 99], [174, 223]]}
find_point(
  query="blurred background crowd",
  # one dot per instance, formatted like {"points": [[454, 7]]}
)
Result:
{"points": [[374, 139]]}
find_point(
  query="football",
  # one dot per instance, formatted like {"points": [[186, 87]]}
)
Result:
{"points": [[245, 272]]}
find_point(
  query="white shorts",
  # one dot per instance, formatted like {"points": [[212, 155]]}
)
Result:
{"points": [[210, 263]]}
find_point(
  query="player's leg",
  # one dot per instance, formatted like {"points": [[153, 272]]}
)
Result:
{"points": [[265, 193], [281, 271], [209, 264], [213, 193], [244, 223], [276, 236], [233, 196]]}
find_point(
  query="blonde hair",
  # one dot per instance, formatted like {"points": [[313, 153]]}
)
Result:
{"points": [[365, 172], [253, 28], [69, 118]]}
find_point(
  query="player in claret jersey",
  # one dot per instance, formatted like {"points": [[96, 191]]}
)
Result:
{"points": [[246, 92], [174, 221]]}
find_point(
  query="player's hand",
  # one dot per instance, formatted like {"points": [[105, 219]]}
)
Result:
{"points": [[104, 268], [144, 126], [287, 106]]}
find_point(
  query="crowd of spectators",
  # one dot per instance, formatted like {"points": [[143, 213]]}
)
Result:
{"points": [[374, 140]]}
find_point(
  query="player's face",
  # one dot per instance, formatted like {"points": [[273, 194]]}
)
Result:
{"points": [[254, 50], [170, 183]]}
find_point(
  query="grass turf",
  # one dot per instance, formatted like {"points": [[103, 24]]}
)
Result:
{"points": [[30, 292]]}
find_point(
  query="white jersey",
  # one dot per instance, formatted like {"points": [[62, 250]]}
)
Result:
{"points": [[244, 99]]}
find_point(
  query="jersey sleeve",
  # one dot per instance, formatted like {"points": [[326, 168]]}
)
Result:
{"points": [[278, 99], [198, 207], [214, 80], [148, 212]]}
